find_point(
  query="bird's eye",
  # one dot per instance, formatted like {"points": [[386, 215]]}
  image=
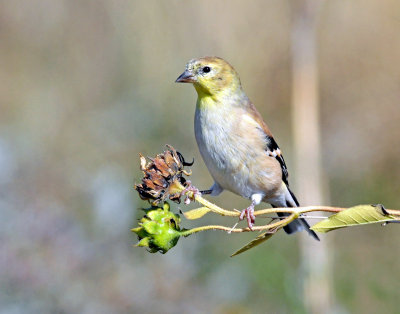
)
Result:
{"points": [[206, 69]]}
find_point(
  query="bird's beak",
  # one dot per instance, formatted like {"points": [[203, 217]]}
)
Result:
{"points": [[186, 77]]}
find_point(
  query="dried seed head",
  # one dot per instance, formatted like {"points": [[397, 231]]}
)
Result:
{"points": [[161, 175]]}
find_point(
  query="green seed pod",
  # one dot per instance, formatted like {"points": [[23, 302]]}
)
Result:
{"points": [[159, 229]]}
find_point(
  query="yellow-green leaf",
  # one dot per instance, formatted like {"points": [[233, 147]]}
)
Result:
{"points": [[143, 242], [260, 239], [196, 213], [353, 216]]}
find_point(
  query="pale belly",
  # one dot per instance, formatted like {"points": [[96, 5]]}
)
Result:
{"points": [[228, 154]]}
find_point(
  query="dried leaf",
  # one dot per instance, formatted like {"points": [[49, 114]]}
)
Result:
{"points": [[260, 239], [161, 166], [169, 159], [157, 178], [149, 183], [353, 216]]}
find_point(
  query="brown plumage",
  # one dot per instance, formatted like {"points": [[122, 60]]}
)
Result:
{"points": [[235, 142]]}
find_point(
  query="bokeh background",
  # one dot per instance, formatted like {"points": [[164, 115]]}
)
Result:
{"points": [[87, 85]]}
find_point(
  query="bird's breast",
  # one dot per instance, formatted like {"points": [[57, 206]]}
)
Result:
{"points": [[230, 147]]}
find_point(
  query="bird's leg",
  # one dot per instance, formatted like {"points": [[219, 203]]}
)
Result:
{"points": [[190, 188], [249, 213]]}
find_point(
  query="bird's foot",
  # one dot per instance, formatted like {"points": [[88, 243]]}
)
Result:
{"points": [[190, 192], [249, 214]]}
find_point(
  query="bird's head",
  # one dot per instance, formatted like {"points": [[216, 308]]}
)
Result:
{"points": [[211, 76]]}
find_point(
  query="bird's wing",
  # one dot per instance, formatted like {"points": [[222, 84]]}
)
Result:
{"points": [[274, 151], [271, 147]]}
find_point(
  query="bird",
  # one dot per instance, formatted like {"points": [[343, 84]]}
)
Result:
{"points": [[235, 143]]}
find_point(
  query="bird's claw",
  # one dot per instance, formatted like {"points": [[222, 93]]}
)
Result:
{"points": [[193, 192], [249, 214]]}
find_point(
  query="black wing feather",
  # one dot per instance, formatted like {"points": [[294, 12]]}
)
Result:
{"points": [[274, 151]]}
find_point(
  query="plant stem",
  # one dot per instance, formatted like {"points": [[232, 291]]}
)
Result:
{"points": [[216, 209], [294, 212], [273, 226], [299, 210]]}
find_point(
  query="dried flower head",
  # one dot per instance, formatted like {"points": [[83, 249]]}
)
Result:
{"points": [[159, 229], [163, 177]]}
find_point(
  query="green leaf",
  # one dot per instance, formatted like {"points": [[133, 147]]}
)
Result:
{"points": [[196, 213], [144, 242], [353, 216], [260, 239]]}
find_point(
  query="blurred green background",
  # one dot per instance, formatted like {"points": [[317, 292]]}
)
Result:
{"points": [[87, 85]]}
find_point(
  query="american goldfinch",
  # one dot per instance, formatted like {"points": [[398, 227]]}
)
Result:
{"points": [[237, 146]]}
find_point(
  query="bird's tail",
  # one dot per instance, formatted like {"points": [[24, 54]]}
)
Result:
{"points": [[299, 224]]}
